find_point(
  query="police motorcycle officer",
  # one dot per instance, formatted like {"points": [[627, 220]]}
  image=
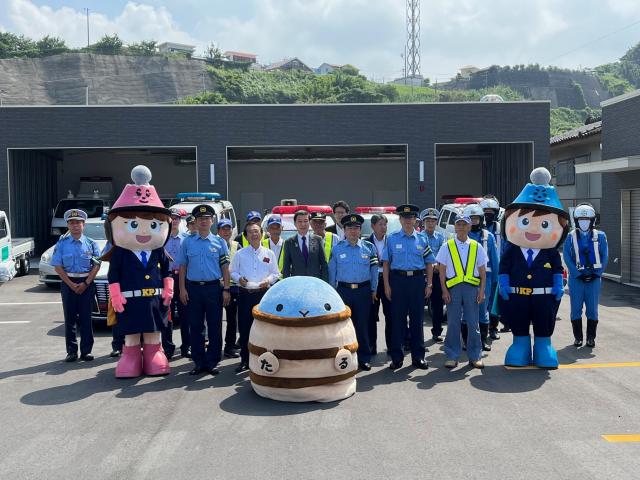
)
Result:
{"points": [[491, 207], [585, 254]]}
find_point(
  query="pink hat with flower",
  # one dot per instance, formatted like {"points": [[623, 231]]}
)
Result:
{"points": [[141, 196]]}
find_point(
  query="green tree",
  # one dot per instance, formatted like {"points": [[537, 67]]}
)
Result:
{"points": [[213, 53], [16, 46], [108, 45], [49, 45], [145, 48], [350, 70]]}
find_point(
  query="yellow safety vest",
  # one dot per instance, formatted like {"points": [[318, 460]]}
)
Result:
{"points": [[328, 243], [462, 275], [265, 244], [245, 242]]}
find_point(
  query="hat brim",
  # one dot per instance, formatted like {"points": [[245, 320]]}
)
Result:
{"points": [[536, 206], [141, 208]]}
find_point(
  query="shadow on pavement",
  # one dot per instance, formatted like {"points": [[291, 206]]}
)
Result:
{"points": [[571, 354], [498, 379], [615, 294]]}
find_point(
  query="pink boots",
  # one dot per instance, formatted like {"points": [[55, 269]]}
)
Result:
{"points": [[131, 362]]}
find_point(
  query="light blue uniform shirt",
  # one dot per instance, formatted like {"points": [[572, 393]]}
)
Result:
{"points": [[585, 243], [435, 241], [74, 256], [173, 249], [203, 257], [407, 252], [492, 253], [354, 263]]}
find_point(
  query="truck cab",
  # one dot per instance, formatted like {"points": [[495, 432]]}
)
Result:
{"points": [[14, 252]]}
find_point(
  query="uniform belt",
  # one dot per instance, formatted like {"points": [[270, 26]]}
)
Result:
{"points": [[408, 273], [354, 286], [531, 291], [77, 275], [204, 282], [145, 292]]}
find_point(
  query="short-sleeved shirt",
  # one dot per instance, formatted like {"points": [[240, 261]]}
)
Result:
{"points": [[407, 252], [203, 257], [74, 256], [354, 263], [444, 257], [435, 241], [172, 247]]}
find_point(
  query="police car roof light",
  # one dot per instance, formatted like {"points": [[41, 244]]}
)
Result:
{"points": [[467, 200], [199, 196], [290, 209], [386, 209]]}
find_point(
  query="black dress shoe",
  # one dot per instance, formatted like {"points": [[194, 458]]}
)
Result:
{"points": [[364, 366], [72, 357], [486, 347], [115, 353], [395, 365], [505, 330], [197, 370], [186, 352], [494, 335], [236, 346], [591, 342], [87, 357], [577, 342], [243, 367], [228, 353], [213, 370], [421, 364], [437, 339]]}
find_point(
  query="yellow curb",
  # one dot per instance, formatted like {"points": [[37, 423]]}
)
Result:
{"points": [[622, 438]]}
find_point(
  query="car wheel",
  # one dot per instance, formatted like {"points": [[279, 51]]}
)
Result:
{"points": [[23, 267]]}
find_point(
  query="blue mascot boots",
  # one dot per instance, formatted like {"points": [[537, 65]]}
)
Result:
{"points": [[544, 355], [519, 353]]}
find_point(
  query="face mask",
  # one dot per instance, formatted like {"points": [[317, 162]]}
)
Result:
{"points": [[476, 228], [584, 225], [489, 218]]}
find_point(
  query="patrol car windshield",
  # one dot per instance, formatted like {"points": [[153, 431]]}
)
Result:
{"points": [[94, 231], [393, 224], [94, 208]]}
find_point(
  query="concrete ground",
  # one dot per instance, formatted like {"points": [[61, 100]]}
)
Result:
{"points": [[62, 420]]}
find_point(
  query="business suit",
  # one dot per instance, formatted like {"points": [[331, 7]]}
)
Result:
{"points": [[294, 263]]}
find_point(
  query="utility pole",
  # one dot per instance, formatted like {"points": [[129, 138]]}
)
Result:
{"points": [[413, 38], [87, 10]]}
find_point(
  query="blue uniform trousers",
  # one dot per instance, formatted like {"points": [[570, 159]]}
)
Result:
{"points": [[587, 294], [77, 312], [407, 297], [437, 304], [246, 301], [181, 312], [463, 304], [359, 301], [374, 315], [205, 302]]}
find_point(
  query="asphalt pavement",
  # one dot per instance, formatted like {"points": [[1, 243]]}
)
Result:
{"points": [[61, 420]]}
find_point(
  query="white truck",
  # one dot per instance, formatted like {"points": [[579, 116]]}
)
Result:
{"points": [[14, 252]]}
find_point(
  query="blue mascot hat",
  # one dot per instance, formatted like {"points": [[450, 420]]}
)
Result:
{"points": [[539, 195]]}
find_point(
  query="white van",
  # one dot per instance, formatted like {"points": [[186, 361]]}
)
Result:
{"points": [[223, 208]]}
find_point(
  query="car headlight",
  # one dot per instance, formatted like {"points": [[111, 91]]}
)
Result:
{"points": [[45, 258]]}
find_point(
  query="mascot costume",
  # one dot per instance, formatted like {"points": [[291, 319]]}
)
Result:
{"points": [[140, 283], [530, 279], [302, 345]]}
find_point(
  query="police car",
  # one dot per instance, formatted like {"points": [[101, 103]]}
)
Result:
{"points": [[393, 220], [285, 212], [223, 208], [448, 212]]}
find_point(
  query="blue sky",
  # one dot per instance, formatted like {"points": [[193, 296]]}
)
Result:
{"points": [[367, 33]]}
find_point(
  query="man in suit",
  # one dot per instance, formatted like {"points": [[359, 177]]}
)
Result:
{"points": [[340, 209], [303, 254]]}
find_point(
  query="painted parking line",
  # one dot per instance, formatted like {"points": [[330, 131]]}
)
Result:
{"points": [[574, 366], [30, 303], [628, 438], [15, 321]]}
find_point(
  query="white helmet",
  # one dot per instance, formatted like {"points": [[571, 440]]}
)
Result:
{"points": [[584, 210], [473, 210], [490, 202]]}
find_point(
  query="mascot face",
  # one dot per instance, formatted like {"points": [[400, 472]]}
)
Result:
{"points": [[534, 228], [139, 233]]}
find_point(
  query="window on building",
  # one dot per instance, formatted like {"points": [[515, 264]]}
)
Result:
{"points": [[566, 172]]}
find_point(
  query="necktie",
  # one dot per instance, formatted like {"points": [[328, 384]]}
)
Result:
{"points": [[529, 257], [143, 257], [305, 250]]}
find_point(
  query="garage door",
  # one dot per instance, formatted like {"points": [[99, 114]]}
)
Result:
{"points": [[634, 240]]}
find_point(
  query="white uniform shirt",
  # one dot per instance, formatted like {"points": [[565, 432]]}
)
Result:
{"points": [[276, 248], [444, 257], [340, 232], [139, 255], [255, 265], [380, 244], [534, 250]]}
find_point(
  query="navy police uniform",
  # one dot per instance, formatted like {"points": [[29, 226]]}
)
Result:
{"points": [[179, 311], [353, 272], [204, 260], [435, 239], [76, 257]]}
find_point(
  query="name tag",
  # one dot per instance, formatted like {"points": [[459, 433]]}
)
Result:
{"points": [[365, 256], [419, 247], [399, 246], [213, 249], [343, 255]]}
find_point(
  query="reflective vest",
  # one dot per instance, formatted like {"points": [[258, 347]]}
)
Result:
{"points": [[485, 245], [265, 244], [245, 242], [596, 249], [463, 275], [328, 243]]}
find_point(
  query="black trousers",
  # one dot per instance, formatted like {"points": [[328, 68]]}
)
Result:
{"points": [[437, 306], [407, 298], [246, 301], [77, 312], [359, 301], [231, 312], [205, 304], [374, 316], [181, 312], [522, 311]]}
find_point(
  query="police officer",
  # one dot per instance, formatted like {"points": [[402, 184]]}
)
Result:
{"points": [[462, 264], [340, 209], [75, 259], [379, 240], [488, 242], [353, 272], [252, 217], [231, 310], [585, 271], [406, 260], [191, 224], [491, 208], [436, 239], [178, 309], [318, 222], [204, 262], [274, 241]]}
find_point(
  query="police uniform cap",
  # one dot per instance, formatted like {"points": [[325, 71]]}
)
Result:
{"points": [[318, 216], [178, 212], [430, 213], [351, 219], [190, 219], [203, 211], [407, 210], [462, 218], [75, 214]]}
